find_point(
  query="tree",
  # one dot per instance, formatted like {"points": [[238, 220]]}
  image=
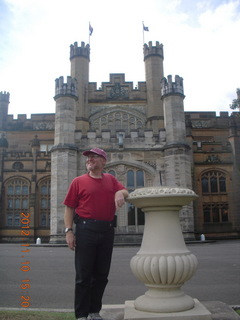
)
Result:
{"points": [[236, 102]]}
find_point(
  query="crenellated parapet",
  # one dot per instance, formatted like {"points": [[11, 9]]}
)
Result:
{"points": [[4, 96], [150, 50], [65, 89], [121, 139], [76, 51], [172, 88], [117, 89]]}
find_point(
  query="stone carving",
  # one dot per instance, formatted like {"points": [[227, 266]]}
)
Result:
{"points": [[18, 166], [118, 92], [43, 125], [200, 123], [144, 192], [164, 270]]}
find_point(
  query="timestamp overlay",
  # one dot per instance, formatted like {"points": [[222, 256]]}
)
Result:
{"points": [[25, 267]]}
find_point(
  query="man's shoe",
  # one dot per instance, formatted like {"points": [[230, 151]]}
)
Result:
{"points": [[94, 316], [83, 318]]}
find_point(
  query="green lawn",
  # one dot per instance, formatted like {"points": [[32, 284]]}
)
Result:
{"points": [[35, 315]]}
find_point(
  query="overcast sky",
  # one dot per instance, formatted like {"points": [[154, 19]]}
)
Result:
{"points": [[200, 39]]}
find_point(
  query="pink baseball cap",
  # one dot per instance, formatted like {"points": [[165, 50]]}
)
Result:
{"points": [[98, 151]]}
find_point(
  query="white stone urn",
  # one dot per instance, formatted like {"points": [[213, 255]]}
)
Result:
{"points": [[163, 262]]}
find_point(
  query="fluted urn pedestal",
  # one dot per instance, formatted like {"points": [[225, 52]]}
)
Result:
{"points": [[163, 262]]}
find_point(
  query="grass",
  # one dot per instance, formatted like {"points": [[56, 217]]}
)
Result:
{"points": [[238, 311], [35, 315], [43, 315]]}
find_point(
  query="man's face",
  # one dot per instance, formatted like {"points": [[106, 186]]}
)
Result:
{"points": [[95, 162]]}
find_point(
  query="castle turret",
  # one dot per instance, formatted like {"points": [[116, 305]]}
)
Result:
{"points": [[174, 119], [177, 160], [4, 102], [63, 153], [80, 57], [153, 58], [177, 153]]}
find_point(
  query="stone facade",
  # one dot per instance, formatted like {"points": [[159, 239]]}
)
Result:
{"points": [[149, 139]]}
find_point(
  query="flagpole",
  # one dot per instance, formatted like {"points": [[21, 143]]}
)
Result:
{"points": [[89, 33], [143, 30]]}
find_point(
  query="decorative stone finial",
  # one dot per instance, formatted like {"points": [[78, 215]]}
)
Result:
{"points": [[35, 142]]}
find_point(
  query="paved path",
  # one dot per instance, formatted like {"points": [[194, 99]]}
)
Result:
{"points": [[51, 275]]}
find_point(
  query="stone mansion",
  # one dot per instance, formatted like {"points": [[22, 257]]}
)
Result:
{"points": [[149, 138]]}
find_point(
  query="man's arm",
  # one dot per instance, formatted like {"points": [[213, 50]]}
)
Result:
{"points": [[120, 197], [68, 220]]}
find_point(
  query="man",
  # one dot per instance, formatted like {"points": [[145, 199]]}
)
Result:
{"points": [[91, 202]]}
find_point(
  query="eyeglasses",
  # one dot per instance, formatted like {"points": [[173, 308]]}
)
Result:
{"points": [[93, 156]]}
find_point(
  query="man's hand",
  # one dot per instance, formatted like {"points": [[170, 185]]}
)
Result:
{"points": [[70, 239], [120, 198]]}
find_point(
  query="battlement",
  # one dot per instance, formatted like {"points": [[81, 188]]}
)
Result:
{"points": [[150, 50], [67, 89], [170, 87], [83, 51], [135, 139], [116, 89], [4, 96]]}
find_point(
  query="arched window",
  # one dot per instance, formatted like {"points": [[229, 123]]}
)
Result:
{"points": [[44, 202], [17, 200], [135, 179], [213, 182], [116, 120]]}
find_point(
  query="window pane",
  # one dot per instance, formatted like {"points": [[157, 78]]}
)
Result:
{"points": [[224, 214], [25, 204], [9, 219], [222, 184], [17, 189], [213, 182], [10, 190], [205, 185], [10, 203], [206, 214], [17, 220], [43, 219], [215, 214], [131, 215], [44, 189], [25, 190], [17, 204], [130, 178], [140, 217], [140, 180], [43, 203]]}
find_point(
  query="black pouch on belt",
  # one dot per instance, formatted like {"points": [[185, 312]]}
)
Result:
{"points": [[94, 225]]}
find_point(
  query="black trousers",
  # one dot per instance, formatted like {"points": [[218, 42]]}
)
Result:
{"points": [[93, 254]]}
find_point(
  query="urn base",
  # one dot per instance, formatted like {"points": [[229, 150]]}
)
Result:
{"points": [[198, 312], [164, 300]]}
